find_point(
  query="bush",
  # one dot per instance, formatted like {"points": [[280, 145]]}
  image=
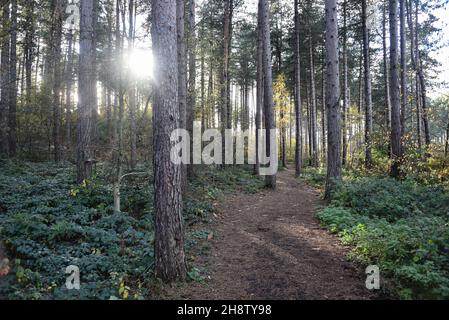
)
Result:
{"points": [[398, 226]]}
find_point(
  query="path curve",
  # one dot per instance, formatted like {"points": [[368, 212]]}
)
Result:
{"points": [[270, 245]]}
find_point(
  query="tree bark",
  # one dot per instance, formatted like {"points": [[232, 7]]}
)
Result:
{"points": [[169, 235], [396, 137], [182, 78], [332, 99], [345, 83], [298, 119], [368, 91], [5, 83], [191, 91], [12, 136], [404, 93], [386, 73], [260, 85], [268, 83], [86, 91], [57, 77]]}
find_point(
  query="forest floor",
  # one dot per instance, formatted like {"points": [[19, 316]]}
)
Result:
{"points": [[269, 245]]}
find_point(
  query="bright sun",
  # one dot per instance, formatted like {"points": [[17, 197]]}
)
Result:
{"points": [[141, 63]]}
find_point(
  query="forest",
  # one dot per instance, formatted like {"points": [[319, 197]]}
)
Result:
{"points": [[224, 150]]}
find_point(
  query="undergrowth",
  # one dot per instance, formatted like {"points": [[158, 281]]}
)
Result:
{"points": [[48, 223]]}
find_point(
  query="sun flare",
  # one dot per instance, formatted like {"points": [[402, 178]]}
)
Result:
{"points": [[141, 63]]}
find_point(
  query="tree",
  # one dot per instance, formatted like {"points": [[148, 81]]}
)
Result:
{"points": [[191, 92], [332, 99], [268, 82], [12, 123], [367, 86], [5, 82], [298, 124], [169, 236], [396, 136], [86, 91], [182, 77], [403, 39]]}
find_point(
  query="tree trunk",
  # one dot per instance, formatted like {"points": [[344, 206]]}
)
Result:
{"points": [[86, 89], [345, 84], [191, 93], [367, 86], [396, 137], [5, 81], [404, 93], [57, 77], [225, 71], [132, 91], [313, 108], [182, 78], [169, 235], [69, 80], [260, 86], [268, 82], [386, 73], [12, 136], [332, 98]]}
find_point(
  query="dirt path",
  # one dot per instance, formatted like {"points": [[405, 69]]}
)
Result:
{"points": [[270, 246]]}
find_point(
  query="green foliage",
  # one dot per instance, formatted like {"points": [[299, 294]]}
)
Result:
{"points": [[401, 226], [48, 222]]}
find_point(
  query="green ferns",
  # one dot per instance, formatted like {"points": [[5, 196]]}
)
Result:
{"points": [[401, 226]]}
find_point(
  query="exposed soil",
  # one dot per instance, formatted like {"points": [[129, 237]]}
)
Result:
{"points": [[269, 245]]}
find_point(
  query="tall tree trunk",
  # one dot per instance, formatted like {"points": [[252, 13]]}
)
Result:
{"points": [[132, 90], [5, 83], [260, 85], [385, 64], [422, 82], [332, 98], [86, 91], [69, 80], [313, 108], [367, 86], [56, 58], [396, 137], [404, 93], [29, 57], [169, 235], [323, 107], [268, 82], [224, 94], [12, 136], [345, 84], [182, 78], [191, 94]]}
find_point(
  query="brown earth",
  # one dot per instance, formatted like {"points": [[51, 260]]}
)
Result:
{"points": [[270, 245]]}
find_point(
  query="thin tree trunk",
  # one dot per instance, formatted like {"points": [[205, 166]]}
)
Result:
{"points": [[345, 84], [268, 83], [169, 253], [5, 84], [404, 93], [182, 78], [368, 92], [57, 77], [132, 91], [313, 107], [86, 88], [191, 93], [332, 99], [12, 136], [386, 73], [396, 138], [225, 71], [260, 86]]}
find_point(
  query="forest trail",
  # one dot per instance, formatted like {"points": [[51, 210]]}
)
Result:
{"points": [[269, 245]]}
